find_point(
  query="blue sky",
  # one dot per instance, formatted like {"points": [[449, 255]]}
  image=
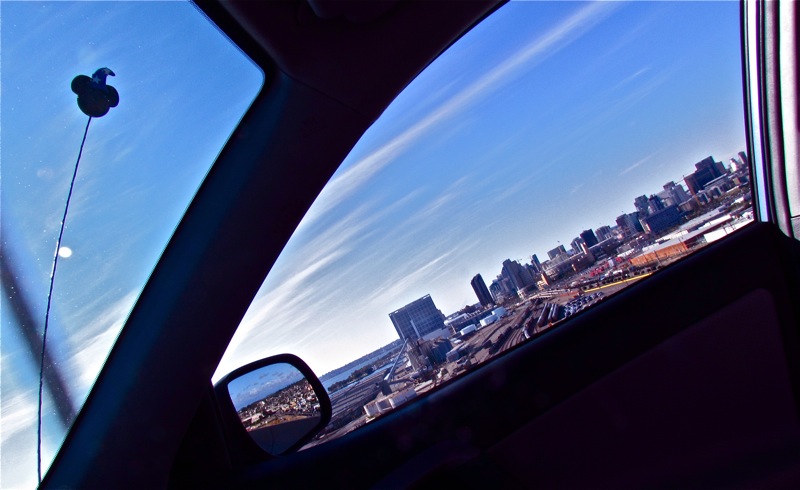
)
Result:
{"points": [[263, 382], [546, 119], [183, 88]]}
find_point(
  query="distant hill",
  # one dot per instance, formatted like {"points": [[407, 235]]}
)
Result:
{"points": [[376, 353]]}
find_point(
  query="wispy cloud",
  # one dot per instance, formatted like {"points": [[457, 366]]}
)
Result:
{"points": [[344, 185], [591, 119], [399, 286], [92, 343], [17, 437], [328, 275], [630, 78], [637, 164], [18, 413], [280, 308]]}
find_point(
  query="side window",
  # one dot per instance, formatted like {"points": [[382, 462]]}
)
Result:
{"points": [[182, 88], [555, 155]]}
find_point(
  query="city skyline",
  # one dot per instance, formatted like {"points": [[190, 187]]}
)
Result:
{"points": [[467, 167], [503, 147], [740, 159]]}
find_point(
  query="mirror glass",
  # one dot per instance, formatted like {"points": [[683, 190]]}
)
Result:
{"points": [[276, 405]]}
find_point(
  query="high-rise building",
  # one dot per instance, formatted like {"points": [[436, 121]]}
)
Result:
{"points": [[417, 319], [519, 277], [589, 238], [537, 266], [496, 290], [533, 272], [481, 291], [630, 224], [654, 205], [743, 157], [706, 171], [603, 233], [556, 252], [578, 245], [640, 203], [502, 289], [740, 163], [676, 193]]}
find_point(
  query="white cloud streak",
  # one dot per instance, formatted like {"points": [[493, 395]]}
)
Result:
{"points": [[637, 164], [398, 286], [92, 343], [344, 185], [630, 78], [304, 299]]}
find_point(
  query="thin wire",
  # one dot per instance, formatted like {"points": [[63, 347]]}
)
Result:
{"points": [[49, 300]]}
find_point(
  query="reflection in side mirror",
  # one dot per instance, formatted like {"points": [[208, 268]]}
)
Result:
{"points": [[276, 405], [278, 401]]}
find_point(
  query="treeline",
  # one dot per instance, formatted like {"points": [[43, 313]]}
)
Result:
{"points": [[392, 347], [354, 376]]}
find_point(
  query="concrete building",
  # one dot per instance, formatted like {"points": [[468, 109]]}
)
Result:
{"points": [[417, 319]]}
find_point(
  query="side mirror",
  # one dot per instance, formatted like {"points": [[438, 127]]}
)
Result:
{"points": [[277, 403]]}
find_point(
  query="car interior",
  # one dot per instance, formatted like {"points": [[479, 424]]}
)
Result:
{"points": [[690, 379]]}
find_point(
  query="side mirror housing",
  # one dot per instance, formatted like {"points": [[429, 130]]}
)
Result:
{"points": [[273, 406]]}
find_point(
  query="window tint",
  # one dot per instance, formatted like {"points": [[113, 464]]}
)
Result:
{"points": [[183, 87], [557, 153]]}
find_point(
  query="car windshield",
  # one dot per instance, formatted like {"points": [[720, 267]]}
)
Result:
{"points": [[183, 87], [557, 153]]}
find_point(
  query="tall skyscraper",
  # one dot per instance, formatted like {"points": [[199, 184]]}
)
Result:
{"points": [[481, 291], [578, 245], [537, 266], [589, 238], [417, 319], [511, 273], [640, 203]]}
